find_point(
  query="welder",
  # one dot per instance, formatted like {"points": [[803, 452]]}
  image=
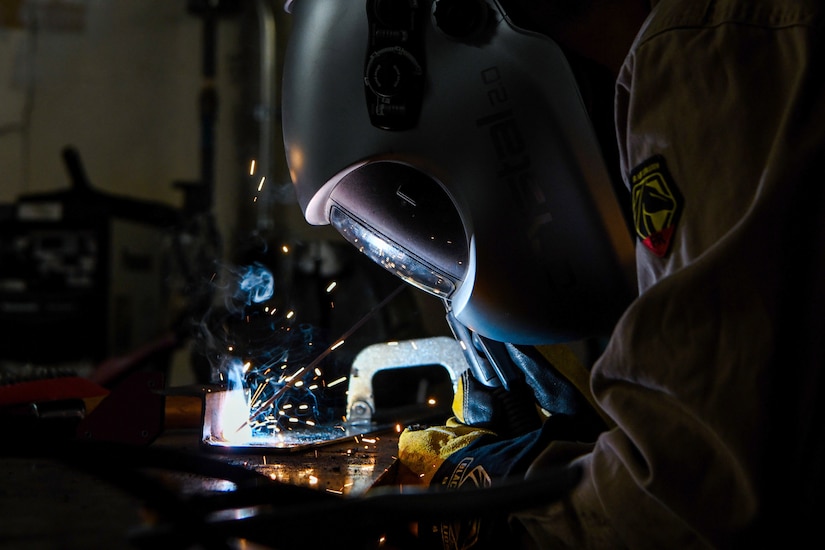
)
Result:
{"points": [[486, 151]]}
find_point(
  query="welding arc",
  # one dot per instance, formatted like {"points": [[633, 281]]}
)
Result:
{"points": [[290, 382]]}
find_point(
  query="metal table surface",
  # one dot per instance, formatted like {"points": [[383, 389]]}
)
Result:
{"points": [[348, 467]]}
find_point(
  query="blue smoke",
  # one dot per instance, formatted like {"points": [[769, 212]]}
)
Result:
{"points": [[257, 284]]}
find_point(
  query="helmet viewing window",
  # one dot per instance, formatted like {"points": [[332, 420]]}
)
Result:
{"points": [[416, 218]]}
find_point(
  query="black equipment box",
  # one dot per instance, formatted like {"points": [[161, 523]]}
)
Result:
{"points": [[81, 274]]}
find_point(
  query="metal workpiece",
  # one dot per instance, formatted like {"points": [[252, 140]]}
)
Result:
{"points": [[436, 351]]}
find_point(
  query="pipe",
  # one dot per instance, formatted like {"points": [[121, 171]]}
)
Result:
{"points": [[265, 110]]}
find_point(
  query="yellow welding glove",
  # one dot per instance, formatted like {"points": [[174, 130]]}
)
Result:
{"points": [[478, 411], [422, 451]]}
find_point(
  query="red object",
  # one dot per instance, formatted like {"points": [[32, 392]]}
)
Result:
{"points": [[49, 389], [132, 413]]}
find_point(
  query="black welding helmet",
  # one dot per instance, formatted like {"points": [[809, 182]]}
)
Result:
{"points": [[454, 149]]}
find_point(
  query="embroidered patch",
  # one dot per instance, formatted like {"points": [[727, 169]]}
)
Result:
{"points": [[657, 204]]}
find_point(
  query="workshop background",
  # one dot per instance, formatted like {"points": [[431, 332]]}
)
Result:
{"points": [[154, 97], [157, 110], [141, 166]]}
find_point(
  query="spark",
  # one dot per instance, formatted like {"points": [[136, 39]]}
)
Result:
{"points": [[295, 374], [259, 391], [336, 382], [285, 249], [290, 314], [261, 184], [291, 381], [252, 167], [332, 286]]}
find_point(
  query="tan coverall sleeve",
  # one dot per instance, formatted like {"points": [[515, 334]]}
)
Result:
{"points": [[718, 349]]}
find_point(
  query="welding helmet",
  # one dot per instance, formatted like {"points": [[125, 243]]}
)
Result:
{"points": [[454, 149]]}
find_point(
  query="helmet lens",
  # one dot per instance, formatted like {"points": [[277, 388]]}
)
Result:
{"points": [[390, 256]]}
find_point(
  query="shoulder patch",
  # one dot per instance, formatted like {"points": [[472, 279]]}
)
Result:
{"points": [[657, 204]]}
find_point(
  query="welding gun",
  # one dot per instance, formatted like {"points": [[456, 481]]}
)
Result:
{"points": [[487, 359], [494, 391]]}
